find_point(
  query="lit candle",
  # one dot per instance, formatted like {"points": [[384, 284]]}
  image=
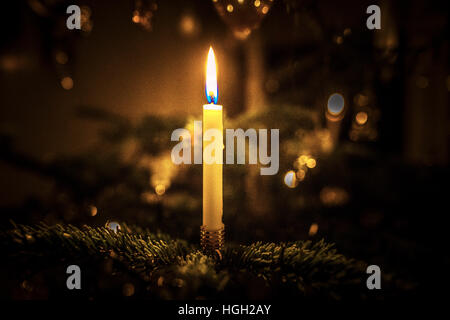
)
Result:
{"points": [[212, 143]]}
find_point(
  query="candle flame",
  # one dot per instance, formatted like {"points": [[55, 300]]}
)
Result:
{"points": [[211, 89]]}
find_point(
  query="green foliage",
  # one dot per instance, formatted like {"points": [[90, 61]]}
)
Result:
{"points": [[172, 268]]}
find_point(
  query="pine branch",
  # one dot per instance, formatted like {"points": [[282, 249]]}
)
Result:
{"points": [[168, 264]]}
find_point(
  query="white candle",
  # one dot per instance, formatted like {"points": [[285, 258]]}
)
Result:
{"points": [[212, 139]]}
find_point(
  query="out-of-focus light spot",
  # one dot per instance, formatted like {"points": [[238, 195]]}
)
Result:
{"points": [[242, 33], [333, 196], [335, 104], [422, 82], [215, 0], [61, 57], [10, 63], [241, 1], [339, 40], [114, 226], [311, 163], [361, 118], [301, 174], [160, 189], [290, 179], [187, 25], [143, 14], [230, 8], [265, 9], [160, 281], [313, 229], [163, 169], [93, 211], [361, 100], [128, 289], [302, 160], [347, 31], [67, 83], [257, 3], [136, 17]]}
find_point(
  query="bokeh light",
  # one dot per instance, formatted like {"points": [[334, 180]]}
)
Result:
{"points": [[361, 118], [333, 196], [188, 25], [93, 211], [67, 83], [311, 163], [335, 104], [61, 57], [301, 174], [290, 179], [313, 229], [113, 225]]}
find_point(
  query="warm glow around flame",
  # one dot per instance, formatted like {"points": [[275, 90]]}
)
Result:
{"points": [[211, 88]]}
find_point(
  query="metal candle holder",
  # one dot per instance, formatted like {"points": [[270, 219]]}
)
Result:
{"points": [[212, 242]]}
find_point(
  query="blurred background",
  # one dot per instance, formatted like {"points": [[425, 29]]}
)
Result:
{"points": [[86, 117]]}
